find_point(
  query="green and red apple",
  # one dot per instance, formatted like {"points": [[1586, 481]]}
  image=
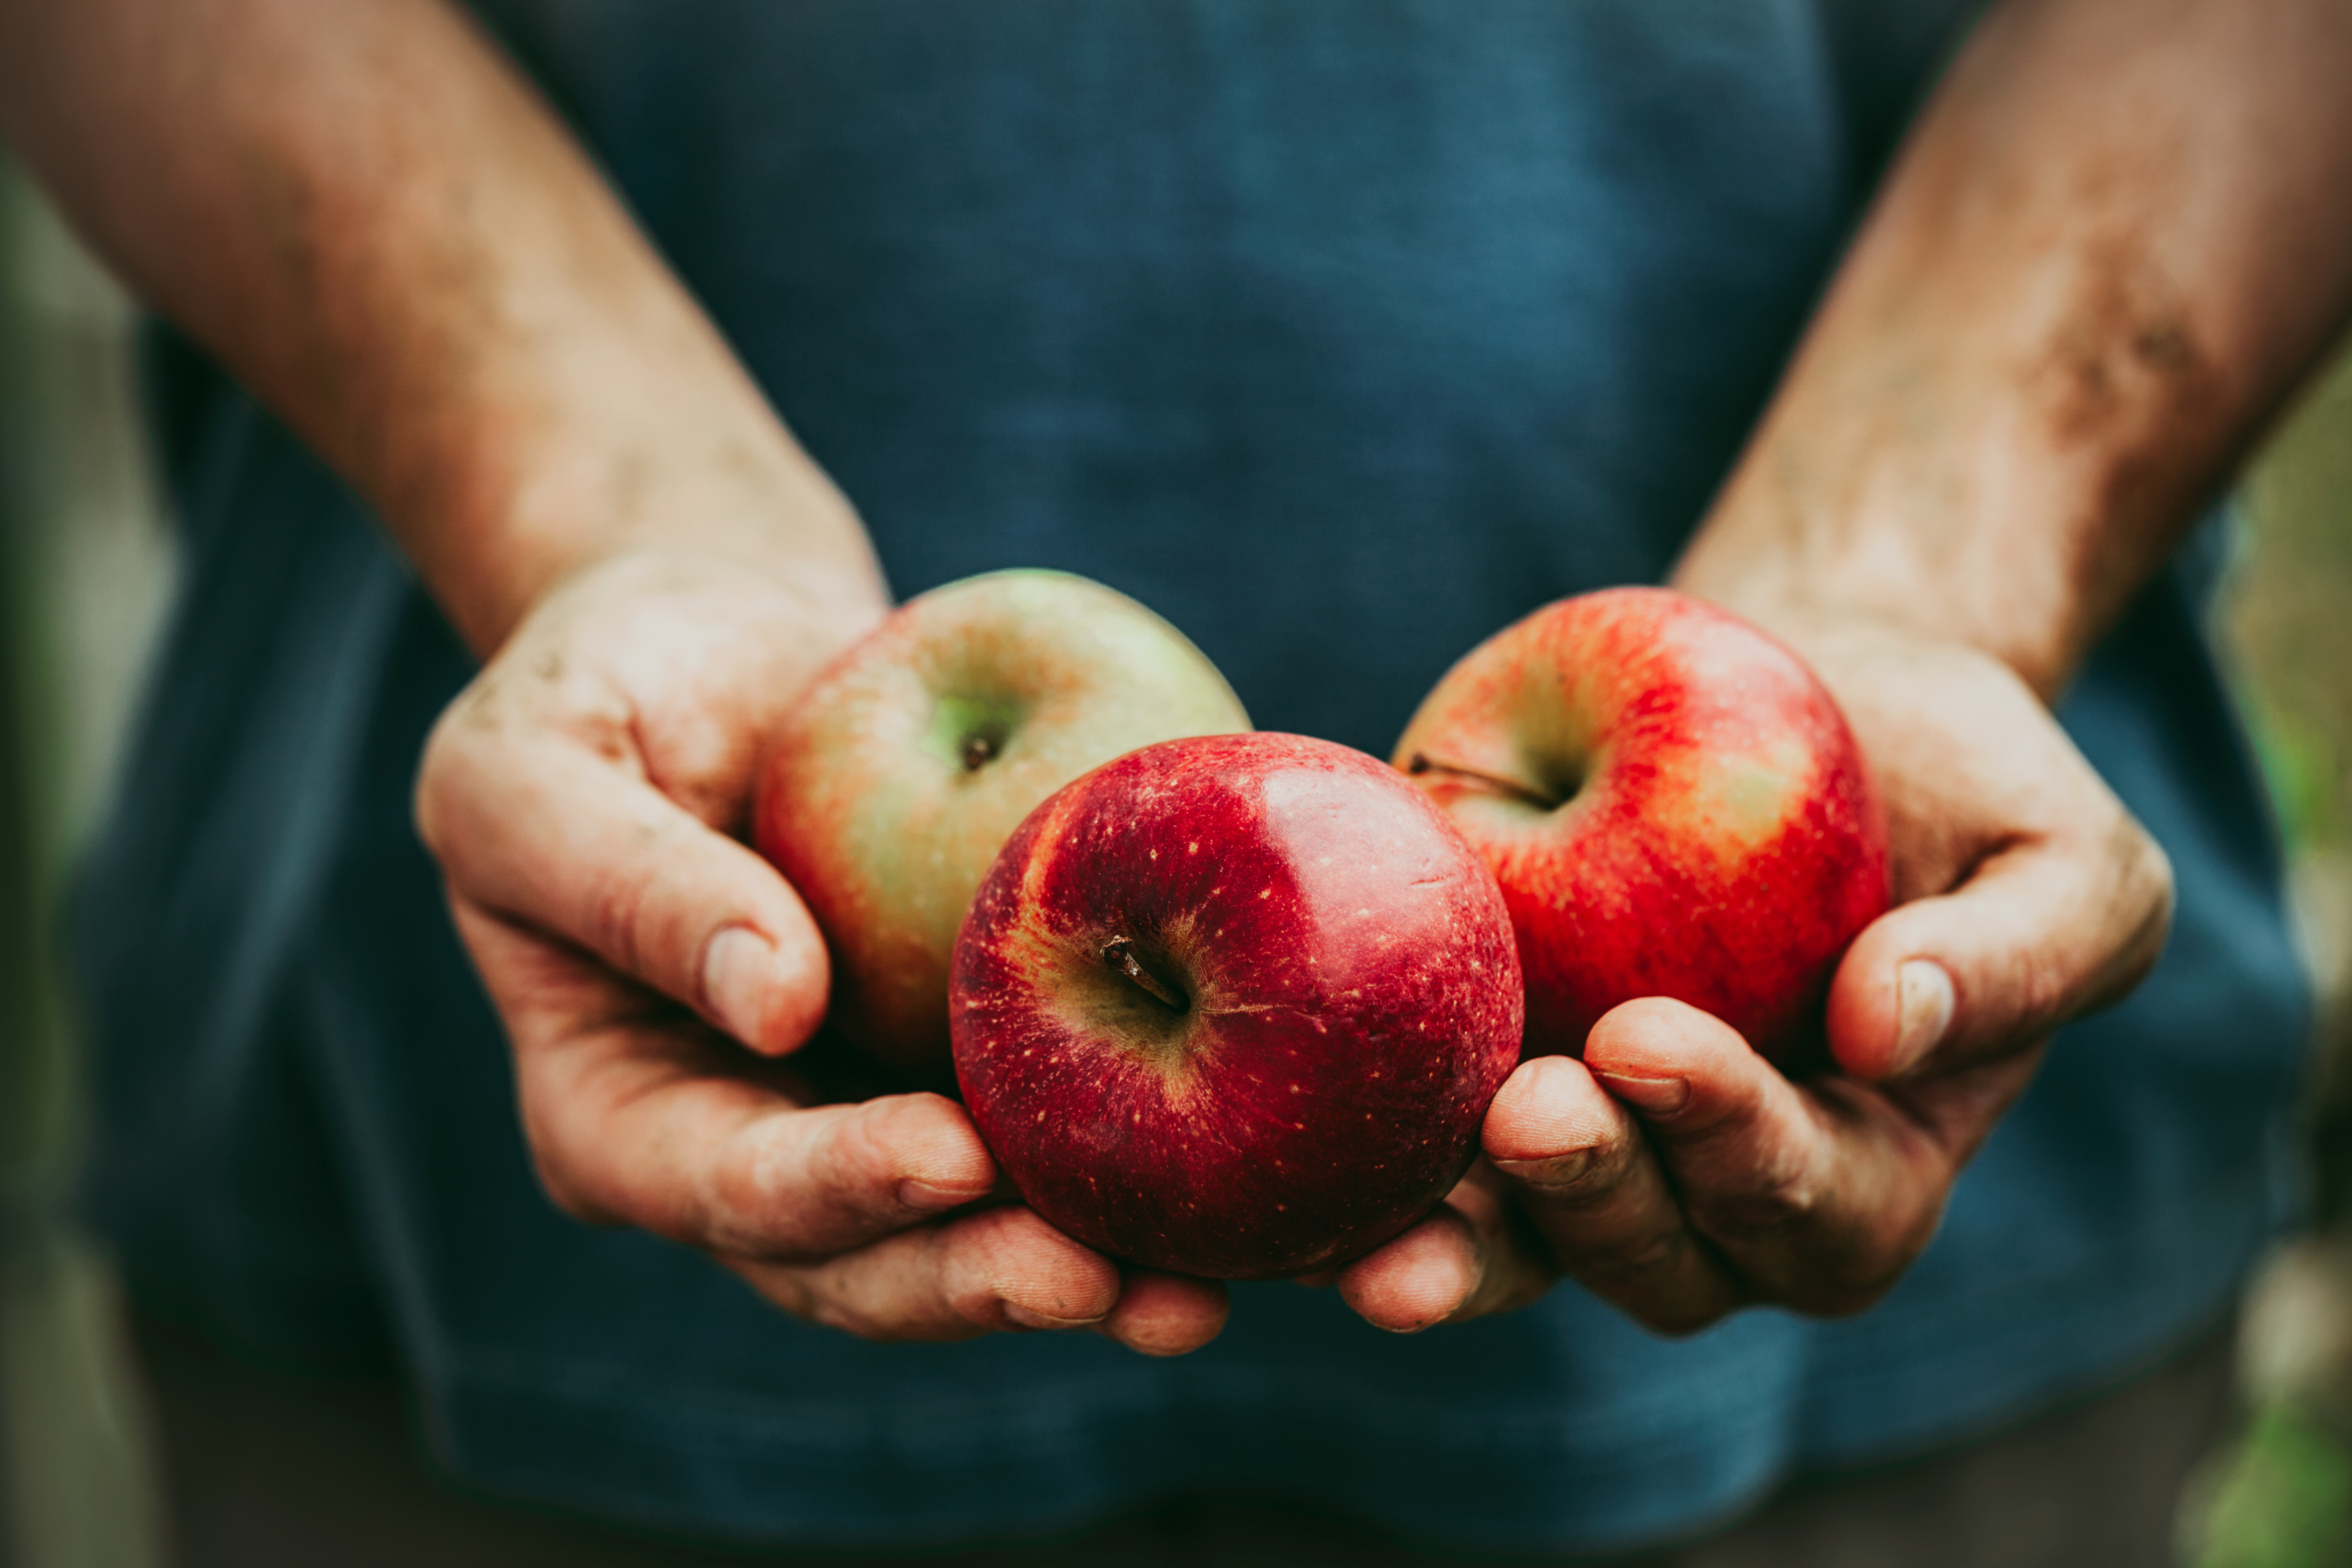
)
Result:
{"points": [[913, 756], [1672, 805]]}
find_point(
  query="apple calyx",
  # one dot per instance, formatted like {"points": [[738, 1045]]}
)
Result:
{"points": [[1119, 954], [1421, 762], [978, 751]]}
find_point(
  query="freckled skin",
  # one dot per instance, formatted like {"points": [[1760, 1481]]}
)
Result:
{"points": [[911, 758], [1673, 806], [1351, 1003]]}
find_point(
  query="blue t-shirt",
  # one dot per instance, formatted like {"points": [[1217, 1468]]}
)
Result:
{"points": [[1341, 332]]}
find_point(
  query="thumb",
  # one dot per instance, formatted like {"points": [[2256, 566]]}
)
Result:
{"points": [[2044, 929], [547, 831]]}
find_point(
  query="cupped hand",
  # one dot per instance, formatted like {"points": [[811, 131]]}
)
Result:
{"points": [[1674, 1171], [585, 796]]}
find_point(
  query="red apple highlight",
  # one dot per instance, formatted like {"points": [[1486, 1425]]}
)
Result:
{"points": [[913, 756], [1235, 1006], [1672, 805]]}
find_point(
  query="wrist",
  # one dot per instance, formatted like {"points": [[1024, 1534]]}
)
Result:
{"points": [[523, 514], [792, 614], [1961, 524], [1815, 599]]}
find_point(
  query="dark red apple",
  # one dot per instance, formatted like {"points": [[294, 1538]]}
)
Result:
{"points": [[1235, 1006], [1672, 805], [913, 756]]}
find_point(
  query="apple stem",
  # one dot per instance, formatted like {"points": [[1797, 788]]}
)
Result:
{"points": [[1119, 954], [1420, 762], [978, 749]]}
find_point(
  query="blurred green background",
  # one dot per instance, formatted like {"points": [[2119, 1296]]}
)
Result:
{"points": [[2282, 1496], [86, 569]]}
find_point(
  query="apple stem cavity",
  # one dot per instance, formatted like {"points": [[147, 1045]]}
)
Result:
{"points": [[978, 751], [1421, 762], [1119, 954]]}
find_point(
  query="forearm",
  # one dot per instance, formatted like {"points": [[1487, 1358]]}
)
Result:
{"points": [[2116, 242], [376, 225]]}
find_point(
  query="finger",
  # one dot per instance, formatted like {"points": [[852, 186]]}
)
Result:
{"points": [[637, 1114], [1418, 1280], [540, 827], [1004, 1268], [2045, 929], [1473, 1256], [1818, 1200], [1592, 1187], [1166, 1314]]}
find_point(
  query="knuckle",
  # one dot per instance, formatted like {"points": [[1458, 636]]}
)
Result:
{"points": [[1780, 1200], [565, 1188], [2138, 880], [835, 1309], [2156, 889], [1523, 1276], [890, 1295], [2153, 868], [443, 772], [787, 1289], [429, 806], [1010, 1239], [749, 1199], [1872, 1261], [1645, 1257], [616, 913], [1662, 1284], [975, 1257], [853, 1156], [1578, 1179], [2042, 990], [834, 1300], [794, 1196]]}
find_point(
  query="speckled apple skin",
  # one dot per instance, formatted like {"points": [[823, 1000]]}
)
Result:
{"points": [[1354, 1004], [867, 810], [1722, 844]]}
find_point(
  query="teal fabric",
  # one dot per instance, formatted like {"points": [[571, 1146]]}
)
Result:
{"points": [[1341, 331]]}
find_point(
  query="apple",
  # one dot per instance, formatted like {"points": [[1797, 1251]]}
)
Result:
{"points": [[1672, 805], [1235, 1006], [911, 758]]}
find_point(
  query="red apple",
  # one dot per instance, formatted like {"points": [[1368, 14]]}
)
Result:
{"points": [[1672, 805], [1235, 1006], [913, 756]]}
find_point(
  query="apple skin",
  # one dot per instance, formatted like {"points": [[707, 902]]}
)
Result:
{"points": [[1673, 806], [912, 757], [1349, 1003]]}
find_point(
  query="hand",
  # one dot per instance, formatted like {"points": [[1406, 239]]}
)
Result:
{"points": [[581, 795], [2009, 409], [1675, 1172]]}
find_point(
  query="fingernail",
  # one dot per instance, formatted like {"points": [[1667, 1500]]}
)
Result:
{"points": [[1923, 1010], [1556, 1171], [736, 971], [1657, 1096], [921, 1194], [1029, 1319]]}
